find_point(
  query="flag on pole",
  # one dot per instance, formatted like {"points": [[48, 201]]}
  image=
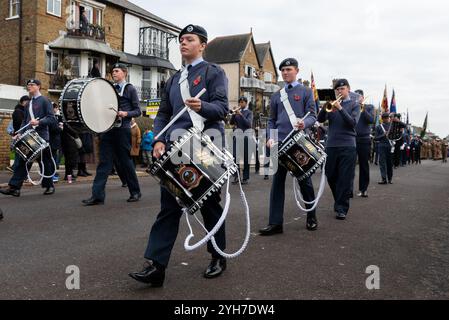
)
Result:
{"points": [[424, 127], [408, 122], [393, 108], [385, 101], [315, 94]]}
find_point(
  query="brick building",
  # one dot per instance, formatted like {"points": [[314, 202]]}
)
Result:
{"points": [[250, 68]]}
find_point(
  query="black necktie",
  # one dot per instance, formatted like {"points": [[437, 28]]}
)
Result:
{"points": [[189, 67], [117, 87], [290, 86]]}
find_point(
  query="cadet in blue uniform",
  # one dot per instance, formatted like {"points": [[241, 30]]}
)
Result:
{"points": [[384, 145], [242, 119], [341, 146], [213, 106], [39, 113], [117, 142], [363, 140], [302, 102]]}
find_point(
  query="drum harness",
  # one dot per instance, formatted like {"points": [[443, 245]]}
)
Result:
{"points": [[293, 121], [198, 122]]}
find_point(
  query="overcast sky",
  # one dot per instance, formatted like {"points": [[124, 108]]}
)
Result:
{"points": [[403, 44]]}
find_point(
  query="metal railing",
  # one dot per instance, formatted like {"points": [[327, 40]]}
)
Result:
{"points": [[89, 31], [252, 83], [153, 50], [148, 93]]}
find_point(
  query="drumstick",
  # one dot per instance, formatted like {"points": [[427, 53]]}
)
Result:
{"points": [[26, 126], [179, 115], [302, 119]]}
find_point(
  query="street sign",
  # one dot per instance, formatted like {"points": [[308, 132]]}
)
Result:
{"points": [[153, 107]]}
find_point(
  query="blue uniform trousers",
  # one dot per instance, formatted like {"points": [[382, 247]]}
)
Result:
{"points": [[340, 170], [165, 230], [277, 195], [115, 143]]}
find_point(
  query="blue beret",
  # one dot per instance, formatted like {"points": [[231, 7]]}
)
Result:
{"points": [[289, 62], [34, 81], [122, 66], [341, 83], [194, 29]]}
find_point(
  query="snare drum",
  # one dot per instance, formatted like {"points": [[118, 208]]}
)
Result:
{"points": [[89, 105], [300, 155], [29, 145], [193, 169]]}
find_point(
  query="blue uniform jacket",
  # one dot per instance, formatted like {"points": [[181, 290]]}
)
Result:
{"points": [[363, 127], [244, 121], [129, 102], [342, 124], [214, 107], [43, 110], [301, 100]]}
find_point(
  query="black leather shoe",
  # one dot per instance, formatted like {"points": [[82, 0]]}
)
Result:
{"points": [[340, 216], [81, 174], [382, 182], [10, 192], [1, 214], [215, 268], [390, 182], [150, 274], [244, 182], [265, 177], [135, 197], [88, 174], [49, 190], [92, 201], [312, 223], [124, 185], [363, 194], [271, 229]]}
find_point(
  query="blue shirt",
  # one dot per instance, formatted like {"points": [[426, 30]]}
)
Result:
{"points": [[301, 100], [342, 124], [214, 106]]}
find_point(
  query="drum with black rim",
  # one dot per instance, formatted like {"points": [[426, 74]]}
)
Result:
{"points": [[89, 105]]}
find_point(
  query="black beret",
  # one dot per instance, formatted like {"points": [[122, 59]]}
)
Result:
{"points": [[341, 83], [194, 29], [289, 62], [34, 81], [243, 99], [360, 92], [24, 98], [385, 115], [122, 66]]}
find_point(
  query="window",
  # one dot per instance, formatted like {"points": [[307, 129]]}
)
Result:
{"points": [[14, 8], [75, 71], [52, 60], [54, 7], [268, 77], [146, 85], [250, 72]]}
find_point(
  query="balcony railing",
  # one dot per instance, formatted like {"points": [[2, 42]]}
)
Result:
{"points": [[271, 88], [153, 50], [252, 83], [148, 93], [90, 31]]}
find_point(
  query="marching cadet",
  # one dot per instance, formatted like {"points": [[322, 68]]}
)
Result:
{"points": [[39, 114], [364, 144], [444, 147], [385, 146], [242, 120], [208, 113], [301, 102], [117, 141], [341, 146]]}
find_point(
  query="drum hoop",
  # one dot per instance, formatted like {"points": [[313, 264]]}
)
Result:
{"points": [[78, 103], [35, 154]]}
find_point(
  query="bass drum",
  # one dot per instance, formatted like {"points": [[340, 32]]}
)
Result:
{"points": [[89, 105]]}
